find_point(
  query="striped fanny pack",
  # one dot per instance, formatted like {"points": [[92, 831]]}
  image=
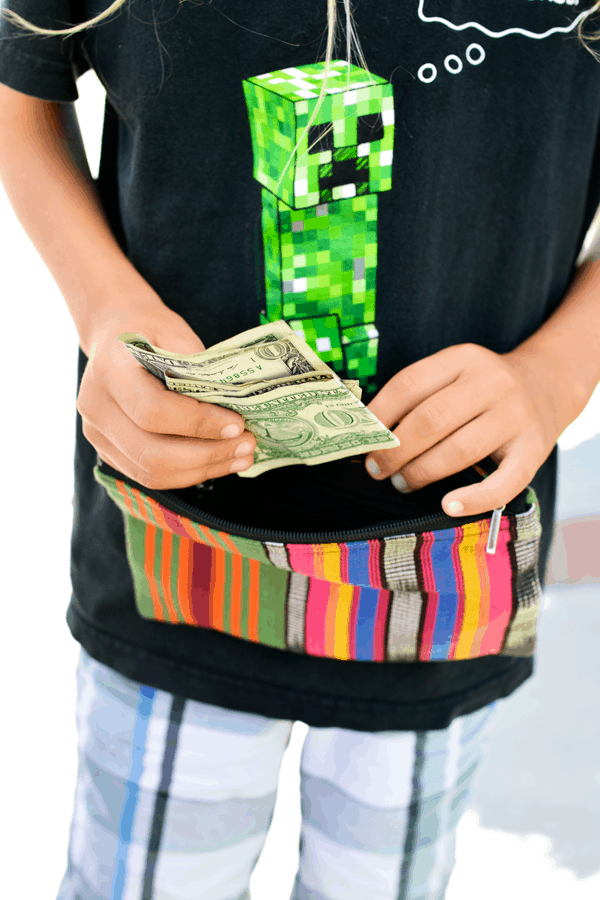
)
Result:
{"points": [[411, 591]]}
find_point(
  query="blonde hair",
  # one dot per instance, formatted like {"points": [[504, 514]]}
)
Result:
{"points": [[16, 19], [594, 36]]}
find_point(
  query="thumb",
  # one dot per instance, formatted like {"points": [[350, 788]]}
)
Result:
{"points": [[172, 334]]}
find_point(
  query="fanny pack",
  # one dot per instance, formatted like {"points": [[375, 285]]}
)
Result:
{"points": [[408, 584]]}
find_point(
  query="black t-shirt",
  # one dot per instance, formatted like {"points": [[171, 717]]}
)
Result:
{"points": [[494, 184]]}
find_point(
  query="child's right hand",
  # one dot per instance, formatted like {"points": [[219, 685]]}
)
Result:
{"points": [[154, 436]]}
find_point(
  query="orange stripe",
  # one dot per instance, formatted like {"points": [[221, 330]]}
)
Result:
{"points": [[126, 498], [142, 512], [253, 599], [330, 617], [165, 574], [228, 543], [237, 583], [143, 504], [217, 588], [192, 530], [184, 580], [149, 551], [160, 519], [210, 540], [319, 560], [484, 596]]}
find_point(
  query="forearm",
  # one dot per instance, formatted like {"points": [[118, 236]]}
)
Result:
{"points": [[569, 341], [45, 173]]}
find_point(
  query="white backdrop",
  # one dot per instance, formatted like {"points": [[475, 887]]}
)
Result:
{"points": [[39, 656]]}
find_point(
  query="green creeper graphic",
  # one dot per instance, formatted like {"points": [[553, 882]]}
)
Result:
{"points": [[319, 223]]}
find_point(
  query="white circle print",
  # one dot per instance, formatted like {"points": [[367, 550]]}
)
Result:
{"points": [[453, 64], [427, 78], [475, 48]]}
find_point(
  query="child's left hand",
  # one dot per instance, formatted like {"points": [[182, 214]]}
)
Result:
{"points": [[465, 403]]}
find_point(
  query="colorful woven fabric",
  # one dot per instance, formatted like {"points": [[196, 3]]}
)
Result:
{"points": [[416, 597]]}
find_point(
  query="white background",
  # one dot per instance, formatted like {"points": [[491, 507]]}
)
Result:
{"points": [[39, 656]]}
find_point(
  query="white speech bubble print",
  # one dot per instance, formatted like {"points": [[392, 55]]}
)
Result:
{"points": [[507, 16]]}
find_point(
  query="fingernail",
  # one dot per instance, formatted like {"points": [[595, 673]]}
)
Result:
{"points": [[231, 431], [455, 507], [373, 468], [240, 464], [400, 483], [243, 449]]}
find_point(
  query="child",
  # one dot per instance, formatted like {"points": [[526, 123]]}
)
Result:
{"points": [[482, 343]]}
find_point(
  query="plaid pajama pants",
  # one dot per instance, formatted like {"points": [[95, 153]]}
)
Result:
{"points": [[174, 799]]}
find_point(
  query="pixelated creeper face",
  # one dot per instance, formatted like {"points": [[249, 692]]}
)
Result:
{"points": [[346, 152]]}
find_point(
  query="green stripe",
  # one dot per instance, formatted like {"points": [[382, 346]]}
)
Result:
{"points": [[227, 595], [196, 529], [109, 484], [135, 531], [133, 499], [250, 549], [220, 541], [148, 508], [245, 599], [271, 620], [175, 574], [157, 563]]}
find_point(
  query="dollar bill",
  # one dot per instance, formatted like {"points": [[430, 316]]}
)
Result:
{"points": [[267, 353], [298, 408], [308, 423], [196, 387]]}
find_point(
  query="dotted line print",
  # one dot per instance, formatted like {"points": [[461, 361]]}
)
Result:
{"points": [[475, 55]]}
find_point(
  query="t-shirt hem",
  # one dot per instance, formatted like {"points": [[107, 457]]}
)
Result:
{"points": [[251, 696]]}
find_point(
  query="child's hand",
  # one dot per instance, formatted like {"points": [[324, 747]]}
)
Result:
{"points": [[465, 403], [154, 436]]}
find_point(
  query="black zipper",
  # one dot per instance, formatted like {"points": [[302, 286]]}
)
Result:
{"points": [[409, 526]]}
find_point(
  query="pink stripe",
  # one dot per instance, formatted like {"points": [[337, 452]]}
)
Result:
{"points": [[353, 618], [380, 623], [302, 558], [374, 570], [501, 601], [174, 522], [431, 599], [316, 614], [460, 587], [344, 563]]}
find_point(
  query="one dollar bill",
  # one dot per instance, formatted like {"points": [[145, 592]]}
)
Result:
{"points": [[298, 409]]}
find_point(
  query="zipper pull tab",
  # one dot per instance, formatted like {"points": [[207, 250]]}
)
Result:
{"points": [[494, 530]]}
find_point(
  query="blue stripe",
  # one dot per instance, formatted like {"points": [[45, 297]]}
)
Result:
{"points": [[358, 563], [144, 711], [445, 584], [365, 622]]}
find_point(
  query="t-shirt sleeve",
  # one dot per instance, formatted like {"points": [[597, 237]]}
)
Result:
{"points": [[42, 66]]}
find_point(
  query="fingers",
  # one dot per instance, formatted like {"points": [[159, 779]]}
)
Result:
{"points": [[154, 453], [155, 436], [417, 382], [213, 459], [153, 408], [464, 448], [434, 419], [519, 459], [514, 473]]}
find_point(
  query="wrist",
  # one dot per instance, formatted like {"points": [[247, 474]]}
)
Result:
{"points": [[551, 371], [123, 306]]}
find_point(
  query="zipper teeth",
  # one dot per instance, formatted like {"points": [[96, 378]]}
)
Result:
{"points": [[409, 526], [322, 537]]}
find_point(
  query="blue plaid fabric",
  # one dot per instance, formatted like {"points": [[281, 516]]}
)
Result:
{"points": [[174, 799]]}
